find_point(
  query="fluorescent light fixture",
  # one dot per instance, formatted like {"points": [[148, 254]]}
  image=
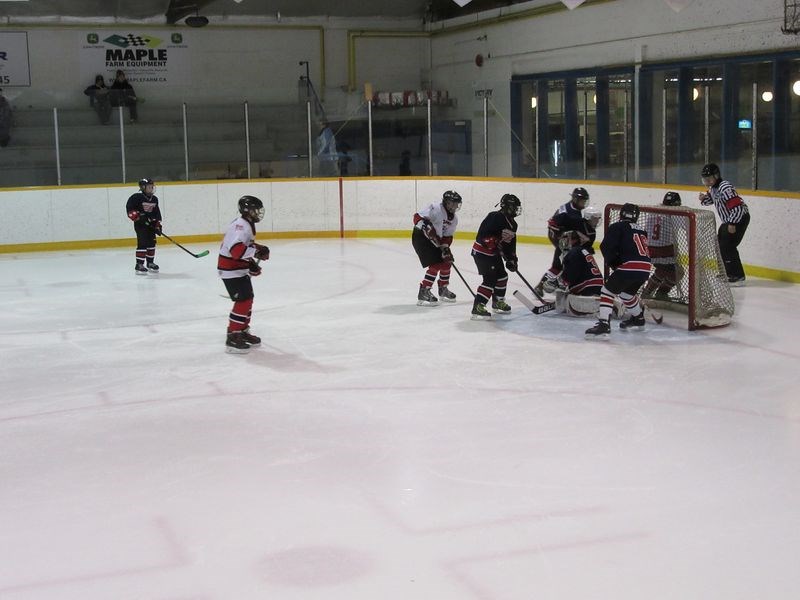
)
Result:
{"points": [[462, 3]]}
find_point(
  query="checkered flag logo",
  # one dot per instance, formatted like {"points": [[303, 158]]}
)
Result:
{"points": [[132, 40]]}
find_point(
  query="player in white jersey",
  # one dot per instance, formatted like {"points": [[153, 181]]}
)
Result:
{"points": [[434, 228], [661, 240], [237, 263], [735, 217]]}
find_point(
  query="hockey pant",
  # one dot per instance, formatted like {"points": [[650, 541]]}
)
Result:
{"points": [[240, 290], [145, 242], [495, 277]]}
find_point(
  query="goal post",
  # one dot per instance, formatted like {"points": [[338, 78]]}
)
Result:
{"points": [[688, 273]]}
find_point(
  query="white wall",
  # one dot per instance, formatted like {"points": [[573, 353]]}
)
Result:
{"points": [[369, 205]]}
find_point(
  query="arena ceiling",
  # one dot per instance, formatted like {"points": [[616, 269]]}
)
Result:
{"points": [[172, 11]]}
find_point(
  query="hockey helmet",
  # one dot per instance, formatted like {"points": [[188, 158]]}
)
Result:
{"points": [[710, 174], [251, 208], [672, 199], [580, 197], [451, 201], [144, 182], [510, 205], [629, 212], [568, 240], [592, 215]]}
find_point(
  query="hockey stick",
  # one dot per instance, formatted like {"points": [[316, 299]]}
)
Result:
{"points": [[455, 268], [656, 316], [530, 287], [203, 253], [535, 309]]}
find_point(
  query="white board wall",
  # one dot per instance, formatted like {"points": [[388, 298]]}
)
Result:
{"points": [[74, 214]]}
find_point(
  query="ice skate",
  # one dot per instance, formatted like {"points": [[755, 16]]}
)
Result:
{"points": [[236, 344], [425, 297], [633, 322], [736, 281], [251, 339], [479, 312], [151, 266], [140, 269], [500, 306], [445, 295], [600, 331]]}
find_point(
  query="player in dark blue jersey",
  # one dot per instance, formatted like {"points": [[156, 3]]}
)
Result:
{"points": [[142, 208], [496, 241], [568, 217], [625, 251]]}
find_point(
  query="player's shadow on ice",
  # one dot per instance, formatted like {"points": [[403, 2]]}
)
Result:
{"points": [[271, 357], [411, 308]]}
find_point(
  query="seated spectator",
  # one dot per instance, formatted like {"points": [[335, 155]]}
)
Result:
{"points": [[99, 100], [122, 94], [5, 121]]}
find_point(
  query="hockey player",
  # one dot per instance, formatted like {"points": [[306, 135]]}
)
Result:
{"points": [[735, 217], [142, 208], [434, 227], [238, 262], [580, 278], [624, 249], [661, 240], [568, 217], [496, 242]]}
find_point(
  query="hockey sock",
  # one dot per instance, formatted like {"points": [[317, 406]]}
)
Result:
{"points": [[483, 294], [631, 304], [239, 317], [140, 254], [444, 276], [151, 254], [430, 276], [606, 304], [500, 287]]}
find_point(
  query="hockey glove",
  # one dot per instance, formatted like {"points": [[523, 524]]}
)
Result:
{"points": [[447, 255], [511, 264], [507, 235], [134, 215], [430, 232], [156, 225], [262, 252], [254, 270]]}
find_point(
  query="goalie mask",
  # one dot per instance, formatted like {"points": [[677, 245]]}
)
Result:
{"points": [[510, 205], [580, 198], [592, 215], [568, 240], [251, 208], [629, 212], [451, 201], [672, 199]]}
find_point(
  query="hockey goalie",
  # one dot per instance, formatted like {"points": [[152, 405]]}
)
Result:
{"points": [[580, 280]]}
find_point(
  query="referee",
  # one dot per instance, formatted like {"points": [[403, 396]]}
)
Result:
{"points": [[735, 218]]}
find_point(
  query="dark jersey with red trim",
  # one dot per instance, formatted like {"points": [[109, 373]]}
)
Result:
{"points": [[144, 205], [624, 247], [581, 274], [489, 240]]}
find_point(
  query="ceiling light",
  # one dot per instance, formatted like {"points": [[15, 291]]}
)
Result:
{"points": [[695, 93], [796, 88], [766, 96], [533, 102]]}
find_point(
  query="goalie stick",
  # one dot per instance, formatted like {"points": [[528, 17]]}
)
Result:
{"points": [[534, 308], [202, 254]]}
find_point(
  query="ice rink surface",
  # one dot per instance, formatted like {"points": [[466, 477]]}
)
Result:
{"points": [[376, 450]]}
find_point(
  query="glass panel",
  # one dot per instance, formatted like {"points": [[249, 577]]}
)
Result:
{"points": [[90, 150], [217, 143], [555, 137], [620, 129], [400, 140], [587, 126], [524, 139], [342, 145], [30, 156], [278, 141], [786, 163], [452, 144]]}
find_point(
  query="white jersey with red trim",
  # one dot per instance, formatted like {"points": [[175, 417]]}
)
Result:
{"points": [[660, 238], [444, 225], [237, 249]]}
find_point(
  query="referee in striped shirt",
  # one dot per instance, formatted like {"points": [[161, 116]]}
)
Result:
{"points": [[734, 215]]}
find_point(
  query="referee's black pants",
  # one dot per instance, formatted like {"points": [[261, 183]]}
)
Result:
{"points": [[728, 243]]}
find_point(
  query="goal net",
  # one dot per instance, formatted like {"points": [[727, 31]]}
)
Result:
{"points": [[688, 273]]}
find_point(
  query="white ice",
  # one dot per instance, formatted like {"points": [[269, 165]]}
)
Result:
{"points": [[376, 450]]}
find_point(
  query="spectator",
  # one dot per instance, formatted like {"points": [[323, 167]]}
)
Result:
{"points": [[122, 94], [405, 164], [99, 100], [5, 121], [326, 152]]}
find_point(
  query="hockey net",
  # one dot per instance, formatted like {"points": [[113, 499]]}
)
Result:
{"points": [[688, 272]]}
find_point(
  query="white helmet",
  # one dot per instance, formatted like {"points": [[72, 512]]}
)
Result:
{"points": [[593, 215]]}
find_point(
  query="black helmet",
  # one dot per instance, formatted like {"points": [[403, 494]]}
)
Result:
{"points": [[629, 212], [145, 181], [672, 199], [510, 205], [251, 208], [451, 201], [580, 193], [710, 170]]}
